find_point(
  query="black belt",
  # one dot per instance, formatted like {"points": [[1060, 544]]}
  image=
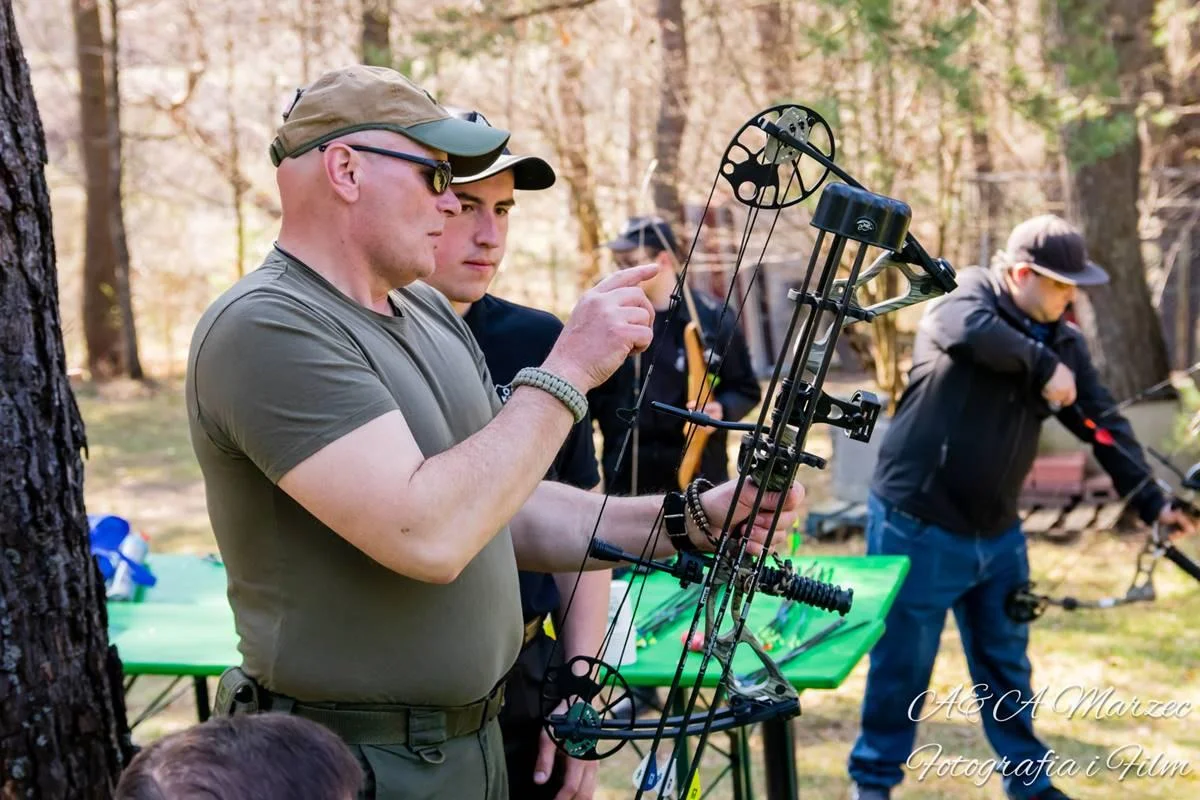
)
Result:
{"points": [[376, 724]]}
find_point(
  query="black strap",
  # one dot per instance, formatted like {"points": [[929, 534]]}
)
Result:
{"points": [[675, 521]]}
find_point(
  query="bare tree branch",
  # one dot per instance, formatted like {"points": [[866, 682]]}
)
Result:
{"points": [[537, 11]]}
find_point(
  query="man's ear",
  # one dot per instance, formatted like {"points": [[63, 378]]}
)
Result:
{"points": [[1021, 273], [342, 167]]}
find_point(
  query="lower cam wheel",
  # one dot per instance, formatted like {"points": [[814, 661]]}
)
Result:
{"points": [[581, 701], [1022, 605]]}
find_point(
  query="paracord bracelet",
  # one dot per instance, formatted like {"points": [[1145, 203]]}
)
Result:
{"points": [[696, 511], [539, 378]]}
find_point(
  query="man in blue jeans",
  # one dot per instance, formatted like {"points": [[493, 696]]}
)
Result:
{"points": [[991, 361]]}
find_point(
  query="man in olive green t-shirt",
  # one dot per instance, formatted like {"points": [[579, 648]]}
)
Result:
{"points": [[370, 497]]}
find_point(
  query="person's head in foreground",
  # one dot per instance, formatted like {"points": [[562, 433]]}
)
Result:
{"points": [[364, 163], [474, 241], [1044, 263], [244, 757]]}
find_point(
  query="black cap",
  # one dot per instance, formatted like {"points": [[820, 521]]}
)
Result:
{"points": [[651, 232], [530, 173], [1054, 248]]}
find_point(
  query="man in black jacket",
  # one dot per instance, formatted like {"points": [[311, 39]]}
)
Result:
{"points": [[513, 336], [992, 360], [660, 439]]}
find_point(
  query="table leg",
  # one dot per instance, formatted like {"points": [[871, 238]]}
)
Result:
{"points": [[779, 759], [739, 764], [202, 704]]}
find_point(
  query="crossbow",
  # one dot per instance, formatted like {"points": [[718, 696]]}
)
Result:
{"points": [[1024, 604], [777, 159]]}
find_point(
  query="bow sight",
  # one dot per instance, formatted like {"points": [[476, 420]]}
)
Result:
{"points": [[777, 159]]}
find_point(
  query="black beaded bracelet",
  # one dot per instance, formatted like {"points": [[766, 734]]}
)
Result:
{"points": [[696, 511]]}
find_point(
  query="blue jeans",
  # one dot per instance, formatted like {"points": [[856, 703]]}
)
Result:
{"points": [[972, 576]]}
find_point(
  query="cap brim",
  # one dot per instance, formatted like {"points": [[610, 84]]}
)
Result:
{"points": [[530, 173], [623, 244], [1091, 275], [470, 147]]}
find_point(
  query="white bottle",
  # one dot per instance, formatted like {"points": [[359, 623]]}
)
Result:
{"points": [[622, 644], [134, 547]]}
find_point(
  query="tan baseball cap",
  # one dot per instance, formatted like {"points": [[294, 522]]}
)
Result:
{"points": [[359, 97]]}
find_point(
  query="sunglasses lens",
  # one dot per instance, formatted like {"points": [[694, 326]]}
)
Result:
{"points": [[441, 178]]}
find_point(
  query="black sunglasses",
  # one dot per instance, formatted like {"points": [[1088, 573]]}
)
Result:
{"points": [[439, 178]]}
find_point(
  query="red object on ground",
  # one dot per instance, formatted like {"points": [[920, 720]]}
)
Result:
{"points": [[1057, 472]]}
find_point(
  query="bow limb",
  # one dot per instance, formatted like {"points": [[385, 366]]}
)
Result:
{"points": [[920, 286]]}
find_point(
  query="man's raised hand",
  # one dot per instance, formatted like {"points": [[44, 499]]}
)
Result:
{"points": [[611, 320]]}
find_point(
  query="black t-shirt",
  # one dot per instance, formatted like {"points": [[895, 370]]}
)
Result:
{"points": [[513, 336]]}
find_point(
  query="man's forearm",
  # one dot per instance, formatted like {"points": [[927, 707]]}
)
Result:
{"points": [[552, 531], [472, 490], [585, 602]]}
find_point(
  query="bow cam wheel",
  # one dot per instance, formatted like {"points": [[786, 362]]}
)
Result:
{"points": [[767, 172], [581, 701]]}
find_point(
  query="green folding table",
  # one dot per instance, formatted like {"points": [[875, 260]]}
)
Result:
{"points": [[180, 627], [183, 627], [875, 580]]}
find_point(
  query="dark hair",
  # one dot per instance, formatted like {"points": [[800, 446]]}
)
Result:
{"points": [[244, 756]]}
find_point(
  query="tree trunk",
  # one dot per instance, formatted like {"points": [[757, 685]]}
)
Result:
{"points": [[116, 206], [101, 314], [237, 182], [885, 333], [991, 208], [62, 718], [573, 155], [672, 111], [1122, 328], [1103, 185], [1174, 149], [775, 56], [376, 39]]}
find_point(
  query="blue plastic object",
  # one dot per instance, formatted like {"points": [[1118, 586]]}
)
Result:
{"points": [[107, 533]]}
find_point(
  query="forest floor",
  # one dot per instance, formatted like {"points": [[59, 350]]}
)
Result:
{"points": [[140, 465]]}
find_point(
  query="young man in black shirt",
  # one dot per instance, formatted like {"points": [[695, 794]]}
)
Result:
{"points": [[660, 437], [513, 336]]}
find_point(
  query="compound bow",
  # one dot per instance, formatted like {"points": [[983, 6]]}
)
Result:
{"points": [[778, 158], [1023, 604]]}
